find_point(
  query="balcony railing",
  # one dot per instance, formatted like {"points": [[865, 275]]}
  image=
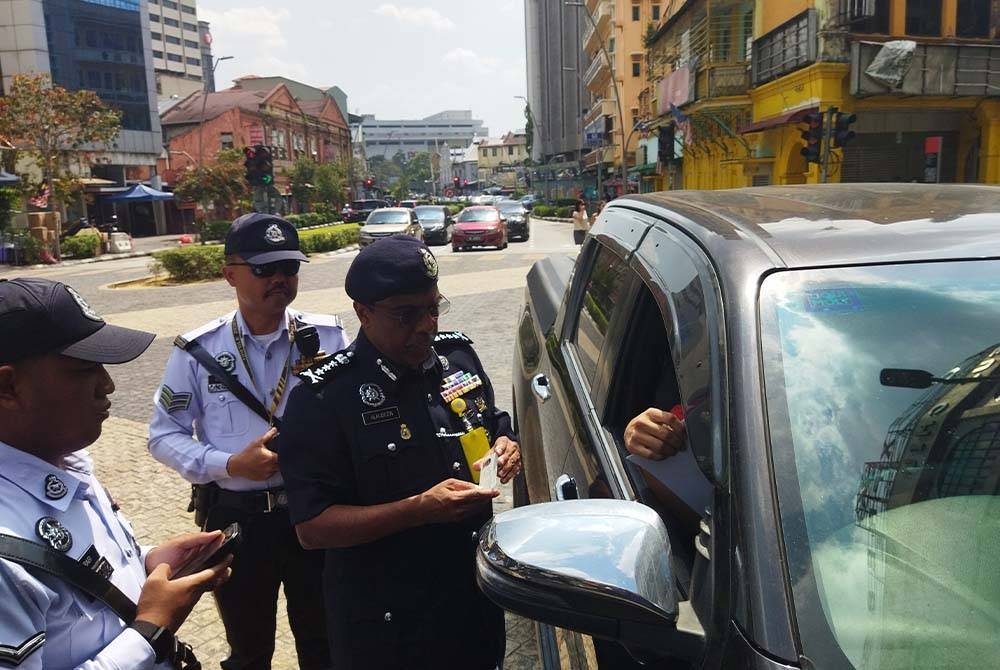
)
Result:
{"points": [[605, 154], [721, 80], [600, 108], [602, 18], [597, 67], [934, 69]]}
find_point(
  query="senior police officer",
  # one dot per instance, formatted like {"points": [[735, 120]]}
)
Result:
{"points": [[376, 474], [230, 462], [53, 399]]}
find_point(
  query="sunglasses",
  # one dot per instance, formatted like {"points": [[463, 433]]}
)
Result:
{"points": [[408, 317], [289, 268]]}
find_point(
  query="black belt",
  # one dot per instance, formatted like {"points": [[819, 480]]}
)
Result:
{"points": [[253, 502]]}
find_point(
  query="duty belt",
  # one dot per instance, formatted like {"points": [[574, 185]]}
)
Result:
{"points": [[253, 502]]}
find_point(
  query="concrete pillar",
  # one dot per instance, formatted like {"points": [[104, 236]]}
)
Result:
{"points": [[988, 116]]}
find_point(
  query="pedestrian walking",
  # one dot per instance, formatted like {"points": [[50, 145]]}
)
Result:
{"points": [[376, 471], [581, 222], [215, 421], [63, 535]]}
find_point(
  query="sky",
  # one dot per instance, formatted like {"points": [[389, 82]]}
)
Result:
{"points": [[404, 59]]}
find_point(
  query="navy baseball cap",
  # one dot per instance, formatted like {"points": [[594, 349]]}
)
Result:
{"points": [[39, 316], [396, 265], [263, 238]]}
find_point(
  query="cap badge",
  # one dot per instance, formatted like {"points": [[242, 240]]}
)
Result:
{"points": [[54, 534], [430, 264], [87, 310], [273, 234], [54, 488], [444, 363], [372, 395], [227, 361]]}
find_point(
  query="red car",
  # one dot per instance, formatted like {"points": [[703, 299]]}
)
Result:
{"points": [[479, 226]]}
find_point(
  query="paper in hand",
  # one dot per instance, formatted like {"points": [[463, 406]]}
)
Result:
{"points": [[488, 476]]}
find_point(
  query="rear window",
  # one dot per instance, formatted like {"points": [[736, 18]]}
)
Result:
{"points": [[366, 204], [478, 215], [388, 217], [430, 213]]}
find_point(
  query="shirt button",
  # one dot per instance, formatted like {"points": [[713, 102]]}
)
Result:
{"points": [[391, 446], [222, 397], [388, 617], [430, 398], [128, 552], [475, 536], [267, 356], [456, 466]]}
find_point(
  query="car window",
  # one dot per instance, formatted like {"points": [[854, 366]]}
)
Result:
{"points": [[478, 216], [388, 217], [604, 289]]}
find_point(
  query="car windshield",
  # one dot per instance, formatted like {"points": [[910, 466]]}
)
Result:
{"points": [[364, 204], [429, 214], [512, 208], [478, 216], [388, 217], [888, 481]]}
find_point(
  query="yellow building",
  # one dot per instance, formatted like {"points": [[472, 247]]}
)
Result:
{"points": [[501, 161], [617, 32], [927, 104]]}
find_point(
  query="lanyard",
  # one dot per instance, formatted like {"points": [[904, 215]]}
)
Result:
{"points": [[279, 389]]}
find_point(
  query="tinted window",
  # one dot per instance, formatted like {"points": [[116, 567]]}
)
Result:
{"points": [[430, 213], [604, 290], [388, 217], [479, 215]]}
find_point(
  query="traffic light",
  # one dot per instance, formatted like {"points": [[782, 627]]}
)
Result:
{"points": [[456, 181], [369, 182], [813, 135], [250, 166], [265, 165], [842, 133], [665, 143]]}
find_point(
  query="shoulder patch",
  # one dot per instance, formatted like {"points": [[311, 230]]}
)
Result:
{"points": [[322, 372], [209, 327], [452, 336], [16, 654], [330, 320]]}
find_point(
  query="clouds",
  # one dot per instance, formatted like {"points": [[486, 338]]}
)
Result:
{"points": [[417, 16], [259, 23], [470, 61]]}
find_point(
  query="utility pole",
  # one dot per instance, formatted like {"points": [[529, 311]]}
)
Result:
{"points": [[827, 142], [204, 101]]}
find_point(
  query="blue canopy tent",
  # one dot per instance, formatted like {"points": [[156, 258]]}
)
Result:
{"points": [[139, 193], [8, 179]]}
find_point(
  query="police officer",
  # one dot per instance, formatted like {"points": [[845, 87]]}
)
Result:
{"points": [[53, 399], [234, 471], [376, 475]]}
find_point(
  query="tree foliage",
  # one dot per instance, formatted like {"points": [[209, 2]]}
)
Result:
{"points": [[301, 180], [529, 131], [54, 128], [220, 183]]}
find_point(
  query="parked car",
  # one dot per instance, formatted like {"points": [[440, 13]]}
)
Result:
{"points": [[516, 217], [388, 221], [479, 226], [408, 204], [359, 210], [529, 200], [436, 222], [835, 350]]}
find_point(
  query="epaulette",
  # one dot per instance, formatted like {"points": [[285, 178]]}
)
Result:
{"points": [[449, 336], [209, 327], [330, 320], [322, 372]]}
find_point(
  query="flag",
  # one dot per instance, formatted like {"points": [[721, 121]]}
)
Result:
{"points": [[41, 199], [683, 123]]}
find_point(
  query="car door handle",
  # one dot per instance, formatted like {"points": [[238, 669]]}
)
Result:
{"points": [[565, 488], [540, 386]]}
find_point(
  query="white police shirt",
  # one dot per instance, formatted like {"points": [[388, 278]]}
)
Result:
{"points": [[45, 622], [190, 401]]}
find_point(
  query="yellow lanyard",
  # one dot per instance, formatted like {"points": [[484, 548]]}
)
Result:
{"points": [[279, 389]]}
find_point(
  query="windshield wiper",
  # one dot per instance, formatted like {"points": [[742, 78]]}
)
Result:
{"points": [[921, 379]]}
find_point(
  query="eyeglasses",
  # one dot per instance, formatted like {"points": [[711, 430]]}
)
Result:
{"points": [[408, 317], [289, 268]]}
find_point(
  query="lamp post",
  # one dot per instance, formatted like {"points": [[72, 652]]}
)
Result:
{"points": [[614, 84], [204, 101], [639, 125]]}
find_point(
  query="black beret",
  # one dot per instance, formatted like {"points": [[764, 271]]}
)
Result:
{"points": [[397, 265]]}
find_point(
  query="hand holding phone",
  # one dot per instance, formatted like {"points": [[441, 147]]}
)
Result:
{"points": [[211, 553], [488, 476]]}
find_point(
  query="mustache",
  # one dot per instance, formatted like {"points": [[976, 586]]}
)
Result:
{"points": [[280, 288]]}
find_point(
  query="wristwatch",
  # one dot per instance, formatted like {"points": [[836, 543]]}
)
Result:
{"points": [[159, 638]]}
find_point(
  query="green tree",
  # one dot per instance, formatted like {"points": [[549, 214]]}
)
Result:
{"points": [[220, 183], [331, 178], [417, 172], [301, 180], [50, 127], [386, 172]]}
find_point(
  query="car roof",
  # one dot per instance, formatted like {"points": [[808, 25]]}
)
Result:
{"points": [[392, 209], [476, 207], [835, 224]]}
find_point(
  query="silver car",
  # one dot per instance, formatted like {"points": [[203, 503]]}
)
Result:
{"points": [[387, 221]]}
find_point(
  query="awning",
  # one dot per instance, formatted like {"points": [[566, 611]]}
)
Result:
{"points": [[645, 168], [775, 121], [141, 193], [96, 181]]}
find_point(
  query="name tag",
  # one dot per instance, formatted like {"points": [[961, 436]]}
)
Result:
{"points": [[380, 415]]}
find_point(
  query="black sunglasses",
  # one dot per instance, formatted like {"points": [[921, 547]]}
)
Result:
{"points": [[289, 268], [407, 317]]}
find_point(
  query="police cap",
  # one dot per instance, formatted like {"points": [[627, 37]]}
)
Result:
{"points": [[263, 238], [397, 265], [39, 316]]}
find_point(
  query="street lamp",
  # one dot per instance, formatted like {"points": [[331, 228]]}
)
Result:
{"points": [[204, 100], [614, 84]]}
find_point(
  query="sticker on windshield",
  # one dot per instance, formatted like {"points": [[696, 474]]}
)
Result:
{"points": [[832, 300]]}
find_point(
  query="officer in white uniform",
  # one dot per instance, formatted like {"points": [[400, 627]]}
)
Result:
{"points": [[53, 399], [215, 441]]}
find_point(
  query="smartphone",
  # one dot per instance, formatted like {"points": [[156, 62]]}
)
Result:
{"points": [[211, 553], [488, 475]]}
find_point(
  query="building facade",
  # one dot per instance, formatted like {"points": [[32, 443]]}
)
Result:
{"points": [[386, 138], [178, 45], [555, 63], [501, 161]]}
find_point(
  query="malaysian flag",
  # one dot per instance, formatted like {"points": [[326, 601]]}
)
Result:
{"points": [[683, 123], [41, 199]]}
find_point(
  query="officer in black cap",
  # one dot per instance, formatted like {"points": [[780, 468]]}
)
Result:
{"points": [[53, 401], [219, 442], [376, 474]]}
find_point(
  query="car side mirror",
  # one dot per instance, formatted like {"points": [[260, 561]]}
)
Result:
{"points": [[599, 567]]}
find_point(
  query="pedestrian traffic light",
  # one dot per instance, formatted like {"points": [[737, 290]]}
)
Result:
{"points": [[265, 165], [842, 133], [813, 135], [665, 142]]}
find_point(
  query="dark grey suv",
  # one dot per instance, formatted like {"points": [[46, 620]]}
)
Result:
{"points": [[836, 353]]}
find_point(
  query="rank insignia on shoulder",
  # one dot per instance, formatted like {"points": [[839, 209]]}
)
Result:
{"points": [[173, 401], [15, 654], [54, 534], [326, 369], [452, 336]]}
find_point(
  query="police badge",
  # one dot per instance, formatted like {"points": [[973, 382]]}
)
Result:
{"points": [[371, 395]]}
